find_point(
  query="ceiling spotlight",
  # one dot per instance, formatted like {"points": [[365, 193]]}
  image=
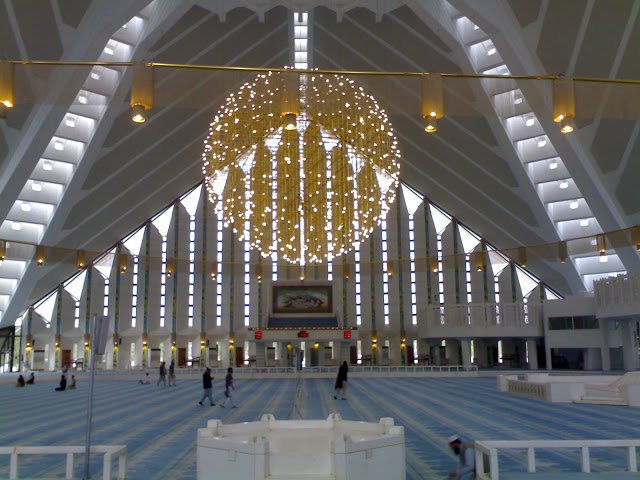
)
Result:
{"points": [[553, 165], [491, 51], [95, 75], [39, 257], [584, 222], [542, 142], [70, 121], [36, 186], [17, 226], [574, 204], [81, 259], [567, 125], [430, 124], [517, 99], [476, 27], [138, 114], [141, 92], [604, 258], [82, 99], [58, 145], [47, 165], [530, 122], [6, 84], [290, 121], [25, 207], [564, 185]]}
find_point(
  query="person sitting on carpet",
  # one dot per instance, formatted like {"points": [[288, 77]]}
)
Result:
{"points": [[20, 382], [467, 468], [32, 379], [63, 384], [145, 380]]}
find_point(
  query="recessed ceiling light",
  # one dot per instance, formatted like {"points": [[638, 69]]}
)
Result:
{"points": [[584, 222], [574, 204], [542, 142], [109, 48], [70, 121], [17, 226], [564, 185], [47, 165], [553, 165], [36, 186], [58, 145], [530, 121], [95, 75], [604, 259], [517, 100], [476, 27], [82, 99], [25, 207], [491, 51]]}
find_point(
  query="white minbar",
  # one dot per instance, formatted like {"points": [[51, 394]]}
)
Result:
{"points": [[331, 449]]}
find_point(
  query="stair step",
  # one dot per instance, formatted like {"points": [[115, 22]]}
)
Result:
{"points": [[602, 400]]}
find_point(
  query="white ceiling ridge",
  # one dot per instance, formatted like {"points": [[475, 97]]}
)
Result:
{"points": [[340, 7], [53, 139], [609, 209]]}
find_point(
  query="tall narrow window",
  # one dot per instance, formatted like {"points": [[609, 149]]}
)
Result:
{"points": [[219, 234], [192, 267], [105, 299], [133, 243], [162, 222], [385, 272], [469, 243], [415, 352], [75, 286], [301, 36], [190, 203], [440, 222], [358, 285], [412, 200], [163, 281], [440, 277]]}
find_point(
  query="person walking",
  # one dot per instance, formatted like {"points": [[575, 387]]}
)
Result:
{"points": [[207, 381], [63, 384], [467, 468], [228, 389], [72, 384], [341, 381], [163, 375], [172, 374]]}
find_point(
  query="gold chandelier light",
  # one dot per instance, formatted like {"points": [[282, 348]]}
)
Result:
{"points": [[304, 166]]}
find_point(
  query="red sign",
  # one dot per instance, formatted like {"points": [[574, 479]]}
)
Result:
{"points": [[258, 334], [347, 334], [303, 334]]}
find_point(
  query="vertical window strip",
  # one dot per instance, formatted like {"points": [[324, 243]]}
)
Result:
{"points": [[358, 285], [440, 277], [274, 213], [467, 274], [76, 314], [301, 37], [247, 275], [192, 265], [385, 272], [105, 301], [412, 272], [219, 233], [496, 283], [134, 291], [163, 282]]}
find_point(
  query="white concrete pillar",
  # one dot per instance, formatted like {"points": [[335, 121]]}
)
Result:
{"points": [[465, 346], [532, 351], [629, 345]]}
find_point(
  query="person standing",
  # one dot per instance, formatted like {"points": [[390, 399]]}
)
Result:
{"points": [[163, 375], [63, 384], [207, 381], [172, 374], [467, 468], [341, 381], [228, 388], [72, 384]]}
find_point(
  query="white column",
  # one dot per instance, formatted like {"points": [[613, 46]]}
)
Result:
{"points": [[532, 351], [465, 345]]}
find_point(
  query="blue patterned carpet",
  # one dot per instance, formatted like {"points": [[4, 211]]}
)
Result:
{"points": [[158, 425]]}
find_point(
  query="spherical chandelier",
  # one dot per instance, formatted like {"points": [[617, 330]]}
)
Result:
{"points": [[303, 166]]}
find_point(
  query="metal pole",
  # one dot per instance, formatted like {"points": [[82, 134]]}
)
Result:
{"points": [[87, 445]]}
